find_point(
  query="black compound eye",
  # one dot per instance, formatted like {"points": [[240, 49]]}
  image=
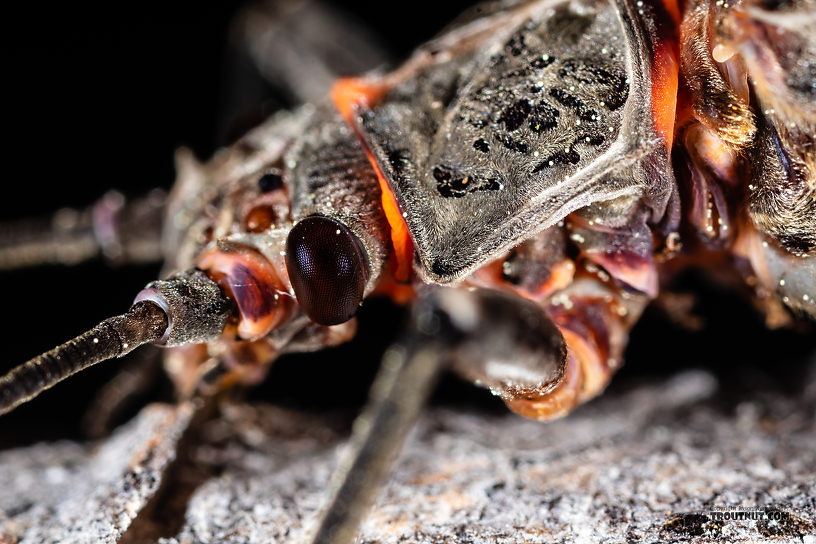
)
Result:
{"points": [[327, 268]]}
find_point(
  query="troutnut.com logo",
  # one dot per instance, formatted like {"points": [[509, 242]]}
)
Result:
{"points": [[720, 521]]}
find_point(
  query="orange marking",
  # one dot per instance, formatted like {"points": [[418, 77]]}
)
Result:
{"points": [[400, 238], [664, 89], [556, 403], [561, 276], [491, 275], [399, 293], [596, 374], [349, 94], [672, 7], [586, 376], [665, 71]]}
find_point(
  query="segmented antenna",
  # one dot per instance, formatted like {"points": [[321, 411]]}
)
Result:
{"points": [[188, 308], [145, 322]]}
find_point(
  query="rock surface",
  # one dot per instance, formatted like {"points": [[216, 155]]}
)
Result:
{"points": [[656, 463], [88, 493]]}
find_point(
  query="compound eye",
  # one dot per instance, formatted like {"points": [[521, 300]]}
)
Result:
{"points": [[327, 268]]}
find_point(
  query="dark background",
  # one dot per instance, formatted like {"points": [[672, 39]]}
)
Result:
{"points": [[98, 96]]}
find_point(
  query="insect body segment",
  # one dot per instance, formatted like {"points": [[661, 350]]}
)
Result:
{"points": [[253, 284], [527, 151], [549, 115], [549, 99], [529, 181]]}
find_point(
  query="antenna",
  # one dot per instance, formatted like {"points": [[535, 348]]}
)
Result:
{"points": [[185, 309]]}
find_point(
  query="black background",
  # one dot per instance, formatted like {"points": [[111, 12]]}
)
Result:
{"points": [[98, 96]]}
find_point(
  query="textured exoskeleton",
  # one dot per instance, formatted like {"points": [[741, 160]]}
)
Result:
{"points": [[528, 180], [527, 151]]}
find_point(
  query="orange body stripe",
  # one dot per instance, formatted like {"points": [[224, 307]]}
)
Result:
{"points": [[664, 90], [400, 239], [349, 94], [673, 9], [665, 74]]}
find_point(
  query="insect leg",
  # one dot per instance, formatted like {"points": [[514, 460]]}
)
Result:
{"points": [[283, 54], [773, 48], [407, 375], [473, 329], [752, 92], [594, 320], [123, 231], [581, 333], [591, 281]]}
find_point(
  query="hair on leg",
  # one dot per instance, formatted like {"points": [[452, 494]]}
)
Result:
{"points": [[123, 231]]}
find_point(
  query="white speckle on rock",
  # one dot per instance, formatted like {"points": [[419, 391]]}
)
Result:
{"points": [[618, 468]]}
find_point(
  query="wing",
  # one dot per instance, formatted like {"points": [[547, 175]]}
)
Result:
{"points": [[502, 127]]}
